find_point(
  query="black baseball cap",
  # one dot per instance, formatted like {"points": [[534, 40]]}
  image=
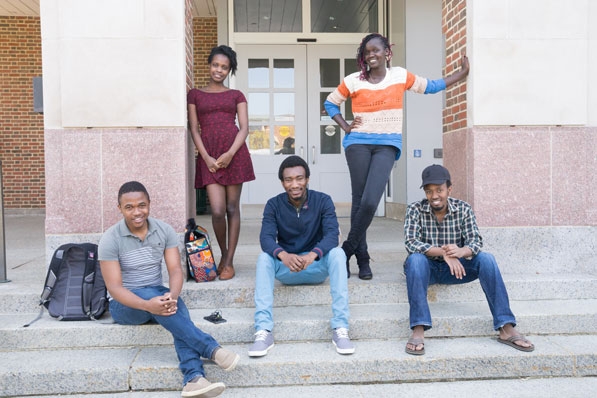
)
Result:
{"points": [[435, 174]]}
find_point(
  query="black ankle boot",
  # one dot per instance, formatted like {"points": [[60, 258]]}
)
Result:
{"points": [[365, 271], [364, 268]]}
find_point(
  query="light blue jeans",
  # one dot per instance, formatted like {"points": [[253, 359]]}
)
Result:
{"points": [[189, 341], [332, 264], [421, 272]]}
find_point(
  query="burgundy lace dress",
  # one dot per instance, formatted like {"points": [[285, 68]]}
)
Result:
{"points": [[216, 113]]}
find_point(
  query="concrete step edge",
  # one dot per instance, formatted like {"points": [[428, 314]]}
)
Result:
{"points": [[552, 387], [386, 287], [156, 368], [305, 323]]}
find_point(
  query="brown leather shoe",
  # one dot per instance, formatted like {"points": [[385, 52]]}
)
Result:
{"points": [[227, 273]]}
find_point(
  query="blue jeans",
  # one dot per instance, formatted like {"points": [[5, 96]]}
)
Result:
{"points": [[269, 268], [421, 272], [369, 167], [189, 341]]}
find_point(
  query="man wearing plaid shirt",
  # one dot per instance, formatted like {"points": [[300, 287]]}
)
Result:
{"points": [[444, 246]]}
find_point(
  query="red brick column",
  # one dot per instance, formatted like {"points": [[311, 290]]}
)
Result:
{"points": [[205, 36], [458, 154], [21, 129], [454, 29]]}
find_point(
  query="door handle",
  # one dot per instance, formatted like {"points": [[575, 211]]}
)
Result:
{"points": [[302, 152], [313, 150]]}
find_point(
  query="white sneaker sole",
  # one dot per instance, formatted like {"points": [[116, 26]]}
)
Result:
{"points": [[213, 390], [343, 351], [263, 353], [233, 365]]}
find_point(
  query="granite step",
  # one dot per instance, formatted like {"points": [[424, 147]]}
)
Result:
{"points": [[136, 369], [387, 286], [553, 387], [305, 323]]}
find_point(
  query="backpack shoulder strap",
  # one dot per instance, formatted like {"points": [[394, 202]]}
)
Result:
{"points": [[88, 276], [188, 233], [54, 271], [51, 278], [189, 229]]}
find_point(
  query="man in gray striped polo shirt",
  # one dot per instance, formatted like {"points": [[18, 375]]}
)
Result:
{"points": [[131, 254]]}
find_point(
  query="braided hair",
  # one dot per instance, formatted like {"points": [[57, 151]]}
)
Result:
{"points": [[361, 53]]}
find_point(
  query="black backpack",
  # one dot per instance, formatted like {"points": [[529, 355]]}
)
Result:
{"points": [[74, 289]]}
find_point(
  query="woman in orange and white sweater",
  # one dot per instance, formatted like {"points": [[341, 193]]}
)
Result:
{"points": [[373, 141]]}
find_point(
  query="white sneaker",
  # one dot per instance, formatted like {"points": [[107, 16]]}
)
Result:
{"points": [[342, 341], [264, 341]]}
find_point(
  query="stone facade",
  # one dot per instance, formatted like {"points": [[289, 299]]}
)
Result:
{"points": [[22, 130]]}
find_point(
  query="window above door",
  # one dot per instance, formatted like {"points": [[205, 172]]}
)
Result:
{"points": [[331, 16]]}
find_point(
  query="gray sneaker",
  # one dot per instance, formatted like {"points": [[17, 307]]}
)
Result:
{"points": [[264, 341], [342, 341]]}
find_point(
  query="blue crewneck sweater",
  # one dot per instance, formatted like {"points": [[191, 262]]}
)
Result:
{"points": [[312, 227]]}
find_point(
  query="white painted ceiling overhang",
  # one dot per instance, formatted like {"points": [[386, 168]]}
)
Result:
{"points": [[30, 8]]}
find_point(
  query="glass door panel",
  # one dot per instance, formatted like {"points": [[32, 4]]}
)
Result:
{"points": [[258, 70], [259, 137], [284, 107], [268, 75], [284, 73], [329, 72], [327, 66], [286, 116]]}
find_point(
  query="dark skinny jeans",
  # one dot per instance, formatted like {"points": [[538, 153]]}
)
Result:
{"points": [[369, 167]]}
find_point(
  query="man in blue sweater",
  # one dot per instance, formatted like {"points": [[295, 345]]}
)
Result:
{"points": [[299, 239]]}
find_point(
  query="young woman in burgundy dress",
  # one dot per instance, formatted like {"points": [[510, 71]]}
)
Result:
{"points": [[224, 162]]}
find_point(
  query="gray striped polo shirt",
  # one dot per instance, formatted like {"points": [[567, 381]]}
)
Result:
{"points": [[140, 261]]}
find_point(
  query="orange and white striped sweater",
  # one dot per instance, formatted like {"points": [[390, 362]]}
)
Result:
{"points": [[379, 105]]}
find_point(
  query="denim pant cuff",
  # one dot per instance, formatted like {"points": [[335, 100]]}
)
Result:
{"points": [[212, 350], [426, 326], [502, 324]]}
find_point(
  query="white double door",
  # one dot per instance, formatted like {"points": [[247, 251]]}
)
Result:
{"points": [[286, 86]]}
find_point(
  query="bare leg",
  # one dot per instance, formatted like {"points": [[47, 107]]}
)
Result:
{"points": [[233, 215], [217, 202]]}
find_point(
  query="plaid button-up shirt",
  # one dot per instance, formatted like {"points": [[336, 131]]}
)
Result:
{"points": [[422, 231]]}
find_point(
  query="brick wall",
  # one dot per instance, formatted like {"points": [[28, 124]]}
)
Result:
{"points": [[21, 130], [454, 29], [205, 37]]}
